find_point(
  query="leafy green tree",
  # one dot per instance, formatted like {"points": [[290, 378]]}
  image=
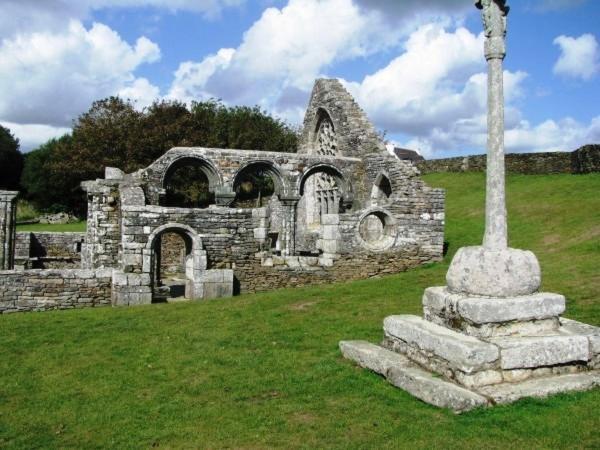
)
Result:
{"points": [[11, 160], [47, 190], [113, 133]]}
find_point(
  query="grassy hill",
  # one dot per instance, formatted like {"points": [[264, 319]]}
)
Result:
{"points": [[264, 370]]}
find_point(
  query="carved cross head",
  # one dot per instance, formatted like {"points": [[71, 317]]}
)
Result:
{"points": [[494, 16]]}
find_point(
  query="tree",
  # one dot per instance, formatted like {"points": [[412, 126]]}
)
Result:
{"points": [[11, 160], [44, 187], [113, 133]]}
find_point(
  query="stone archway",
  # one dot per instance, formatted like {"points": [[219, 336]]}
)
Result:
{"points": [[190, 182], [194, 260]]}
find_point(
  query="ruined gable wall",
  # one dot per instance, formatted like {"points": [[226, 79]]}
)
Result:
{"points": [[356, 135]]}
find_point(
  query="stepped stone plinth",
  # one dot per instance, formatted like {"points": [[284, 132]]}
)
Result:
{"points": [[489, 336]]}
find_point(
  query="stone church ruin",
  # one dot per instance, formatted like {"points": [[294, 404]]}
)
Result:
{"points": [[340, 208]]}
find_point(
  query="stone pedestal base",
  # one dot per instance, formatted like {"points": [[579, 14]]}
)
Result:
{"points": [[486, 350]]}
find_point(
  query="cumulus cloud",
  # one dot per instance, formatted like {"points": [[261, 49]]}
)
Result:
{"points": [[23, 16], [440, 101], [50, 78], [284, 51], [424, 8], [562, 135], [191, 77], [579, 57]]}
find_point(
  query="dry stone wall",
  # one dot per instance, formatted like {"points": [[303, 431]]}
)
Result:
{"points": [[39, 290], [48, 250], [584, 160]]}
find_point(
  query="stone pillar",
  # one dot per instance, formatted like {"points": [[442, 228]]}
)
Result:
{"points": [[8, 224], [289, 224], [494, 19], [494, 269]]}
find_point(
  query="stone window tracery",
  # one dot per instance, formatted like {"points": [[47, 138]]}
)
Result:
{"points": [[326, 138]]}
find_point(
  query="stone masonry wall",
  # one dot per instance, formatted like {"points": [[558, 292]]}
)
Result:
{"points": [[253, 276], [38, 290], [584, 160], [48, 250]]}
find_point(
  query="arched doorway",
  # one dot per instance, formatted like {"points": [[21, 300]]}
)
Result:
{"points": [[175, 261]]}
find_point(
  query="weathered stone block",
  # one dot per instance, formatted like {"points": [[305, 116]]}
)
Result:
{"points": [[530, 352], [465, 353]]}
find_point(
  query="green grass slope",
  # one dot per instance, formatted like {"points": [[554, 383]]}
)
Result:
{"points": [[264, 370], [57, 228]]}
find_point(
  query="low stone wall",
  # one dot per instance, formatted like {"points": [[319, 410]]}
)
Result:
{"points": [[584, 160], [252, 276], [48, 250], [38, 290]]}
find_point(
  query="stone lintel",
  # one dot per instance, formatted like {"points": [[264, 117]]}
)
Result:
{"points": [[532, 352], [465, 353]]}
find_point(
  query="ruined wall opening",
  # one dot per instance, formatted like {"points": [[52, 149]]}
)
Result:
{"points": [[256, 185], [322, 189], [171, 251], [377, 230], [190, 183], [382, 189], [193, 264]]}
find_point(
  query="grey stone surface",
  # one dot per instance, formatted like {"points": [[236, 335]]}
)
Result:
{"points": [[465, 353], [493, 273], [541, 387], [536, 306], [401, 373], [435, 391], [531, 352], [373, 357], [482, 310], [591, 332]]}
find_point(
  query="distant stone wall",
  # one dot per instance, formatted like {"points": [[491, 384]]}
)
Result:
{"points": [[254, 276], [39, 290], [48, 250], [584, 160]]}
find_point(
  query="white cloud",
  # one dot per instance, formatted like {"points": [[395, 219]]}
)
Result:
{"points": [[50, 78], [191, 77], [25, 16], [579, 58], [563, 135], [141, 92], [284, 51], [33, 135], [435, 93]]}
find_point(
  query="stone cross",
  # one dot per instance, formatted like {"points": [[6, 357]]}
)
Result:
{"points": [[494, 14]]}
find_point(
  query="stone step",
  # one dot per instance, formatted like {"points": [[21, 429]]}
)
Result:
{"points": [[482, 310], [400, 372], [541, 387], [542, 351], [462, 352]]}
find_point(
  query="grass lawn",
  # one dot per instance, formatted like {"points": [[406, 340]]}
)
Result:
{"points": [[264, 370], [59, 228]]}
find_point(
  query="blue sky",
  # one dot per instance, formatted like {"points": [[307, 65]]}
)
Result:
{"points": [[415, 66]]}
